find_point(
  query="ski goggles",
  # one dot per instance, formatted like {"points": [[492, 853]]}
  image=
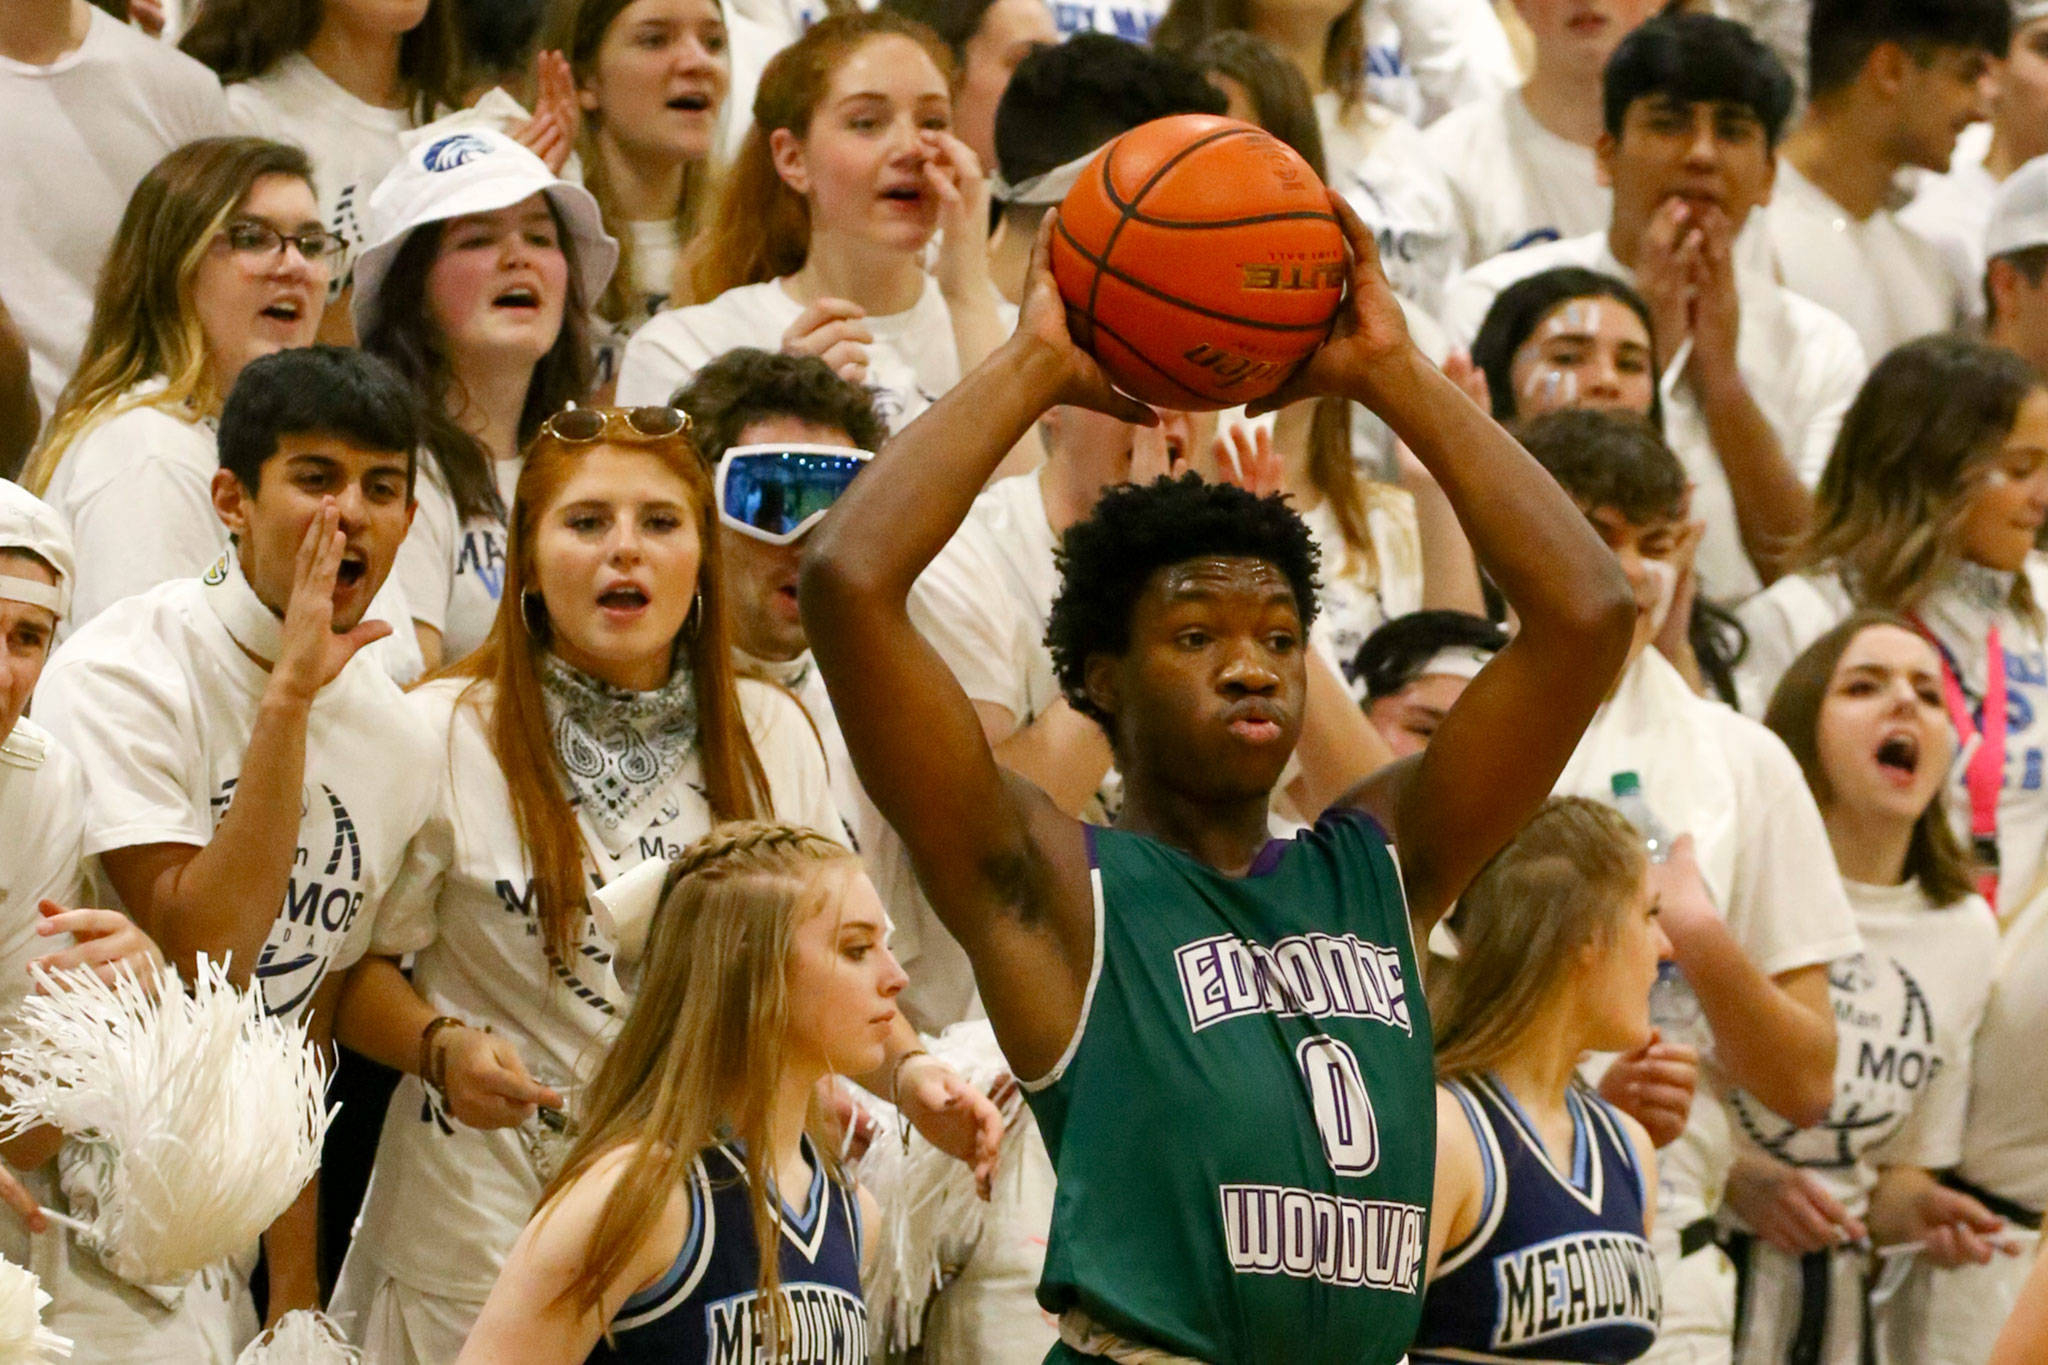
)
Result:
{"points": [[777, 493]]}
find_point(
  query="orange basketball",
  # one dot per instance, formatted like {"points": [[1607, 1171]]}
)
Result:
{"points": [[1199, 261]]}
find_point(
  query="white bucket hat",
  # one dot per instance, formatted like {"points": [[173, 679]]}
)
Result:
{"points": [[29, 523], [474, 170], [2019, 213]]}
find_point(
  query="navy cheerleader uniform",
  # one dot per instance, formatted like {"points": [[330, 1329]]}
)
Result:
{"points": [[701, 1309], [1558, 1268]]}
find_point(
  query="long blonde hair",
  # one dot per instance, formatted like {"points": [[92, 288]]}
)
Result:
{"points": [[144, 323], [1566, 879], [760, 229], [509, 660], [577, 31], [700, 1057]]}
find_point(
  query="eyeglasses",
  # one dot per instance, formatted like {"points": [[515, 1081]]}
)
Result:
{"points": [[777, 493], [580, 426], [247, 237]]}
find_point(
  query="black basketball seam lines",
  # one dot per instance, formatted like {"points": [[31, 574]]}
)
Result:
{"points": [[1102, 267], [1146, 361], [1124, 211]]}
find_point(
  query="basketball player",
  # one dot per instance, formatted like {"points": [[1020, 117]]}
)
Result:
{"points": [[1223, 1034]]}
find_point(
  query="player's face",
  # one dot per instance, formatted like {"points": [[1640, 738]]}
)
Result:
{"points": [[1581, 35], [1939, 99], [659, 78], [1009, 30], [760, 579], [2008, 502], [2020, 86], [1616, 971], [615, 559], [25, 635], [1647, 551], [1208, 698], [1883, 734], [498, 285], [250, 303], [269, 525], [843, 981], [1585, 353], [862, 162], [1407, 720], [1711, 155]]}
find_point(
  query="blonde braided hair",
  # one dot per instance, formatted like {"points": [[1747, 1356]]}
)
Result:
{"points": [[699, 1058]]}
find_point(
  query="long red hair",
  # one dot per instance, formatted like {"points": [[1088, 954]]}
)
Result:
{"points": [[517, 723]]}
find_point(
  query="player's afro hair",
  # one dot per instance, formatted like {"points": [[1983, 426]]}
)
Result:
{"points": [[1136, 530]]}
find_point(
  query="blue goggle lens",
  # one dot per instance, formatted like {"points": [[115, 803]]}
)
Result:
{"points": [[776, 493]]}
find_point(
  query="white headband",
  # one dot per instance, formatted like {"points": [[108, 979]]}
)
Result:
{"points": [[46, 595], [1044, 189], [1456, 661]]}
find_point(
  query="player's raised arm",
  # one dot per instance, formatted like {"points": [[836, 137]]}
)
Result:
{"points": [[1005, 870], [1499, 751]]}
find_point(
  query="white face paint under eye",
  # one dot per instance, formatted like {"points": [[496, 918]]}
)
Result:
{"points": [[1552, 387], [1664, 578]]}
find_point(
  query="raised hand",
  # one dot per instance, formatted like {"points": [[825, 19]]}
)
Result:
{"points": [[314, 653], [1716, 307], [106, 941], [1654, 1085], [1370, 328], [1042, 320], [1666, 275], [557, 115], [835, 331], [955, 175], [1245, 456], [486, 1084]]}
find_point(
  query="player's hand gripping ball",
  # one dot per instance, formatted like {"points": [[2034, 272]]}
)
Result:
{"points": [[1199, 261]]}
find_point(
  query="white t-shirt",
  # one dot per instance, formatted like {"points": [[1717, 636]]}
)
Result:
{"points": [[157, 698], [1424, 58], [352, 143], [42, 808], [1763, 853], [81, 134], [912, 362], [1952, 211], [1378, 161], [452, 572], [1803, 366], [1514, 182], [1906, 1014], [2005, 1141], [1799, 608], [137, 491], [465, 904], [1356, 598], [1878, 275]]}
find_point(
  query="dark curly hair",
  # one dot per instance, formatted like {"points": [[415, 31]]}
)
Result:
{"points": [[1138, 529]]}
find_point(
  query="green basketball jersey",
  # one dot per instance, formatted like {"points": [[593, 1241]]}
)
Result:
{"points": [[1244, 1128]]}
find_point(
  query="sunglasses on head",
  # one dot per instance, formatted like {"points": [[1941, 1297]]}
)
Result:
{"points": [[581, 426], [776, 493]]}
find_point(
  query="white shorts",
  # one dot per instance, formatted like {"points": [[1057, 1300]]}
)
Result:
{"points": [[989, 1314], [1699, 1306], [1952, 1317], [393, 1324], [1774, 1302]]}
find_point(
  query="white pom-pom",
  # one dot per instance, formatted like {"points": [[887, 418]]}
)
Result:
{"points": [[198, 1118], [932, 1218], [23, 1338], [301, 1337]]}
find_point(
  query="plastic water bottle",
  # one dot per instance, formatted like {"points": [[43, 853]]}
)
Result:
{"points": [[1674, 1009]]}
